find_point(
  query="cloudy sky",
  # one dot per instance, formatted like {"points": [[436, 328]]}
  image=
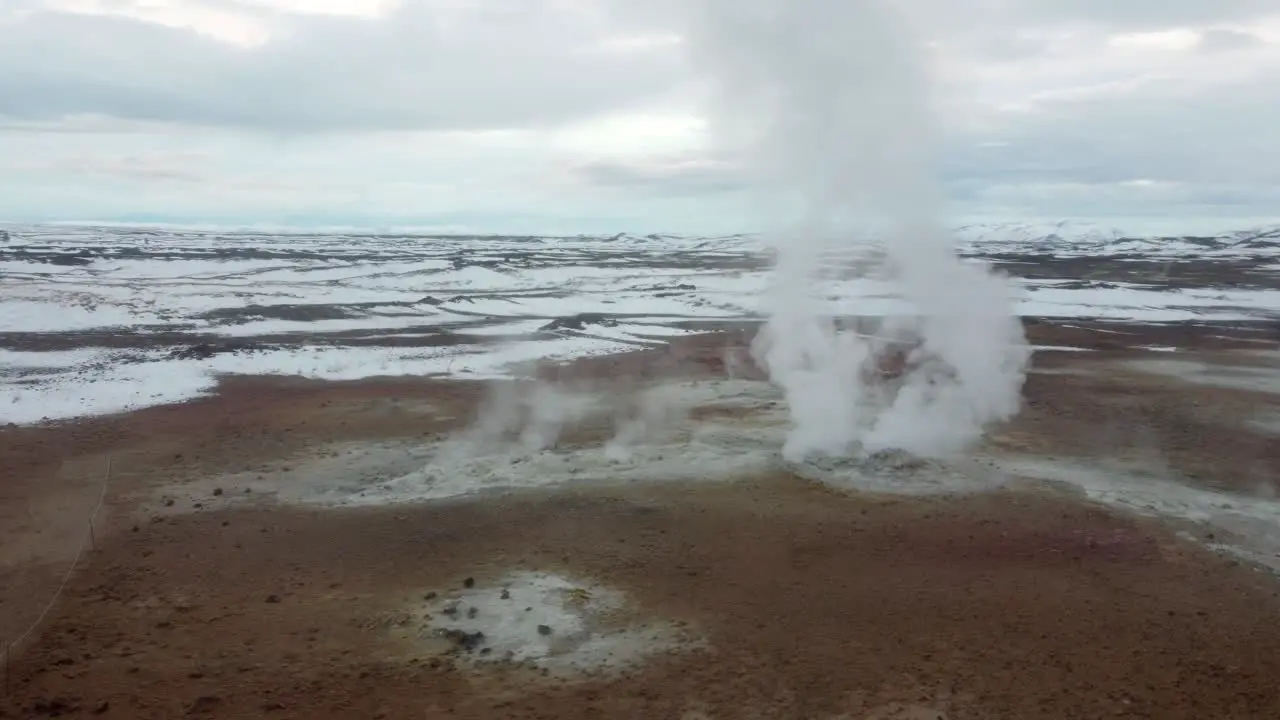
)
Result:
{"points": [[586, 115]]}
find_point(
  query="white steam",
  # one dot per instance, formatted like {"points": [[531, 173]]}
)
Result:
{"points": [[655, 410], [533, 416], [830, 100], [529, 415]]}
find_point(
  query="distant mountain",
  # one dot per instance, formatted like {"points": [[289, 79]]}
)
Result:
{"points": [[1002, 239], [1038, 233], [1087, 239]]}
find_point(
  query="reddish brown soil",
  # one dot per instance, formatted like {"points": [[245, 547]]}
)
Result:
{"points": [[812, 604]]}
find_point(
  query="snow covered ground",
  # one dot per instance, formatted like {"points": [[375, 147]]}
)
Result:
{"points": [[90, 317]]}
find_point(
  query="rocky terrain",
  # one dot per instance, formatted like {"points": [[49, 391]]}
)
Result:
{"points": [[615, 534]]}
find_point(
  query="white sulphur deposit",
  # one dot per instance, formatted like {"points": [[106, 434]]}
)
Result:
{"points": [[568, 626]]}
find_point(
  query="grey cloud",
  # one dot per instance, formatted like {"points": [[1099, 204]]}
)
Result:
{"points": [[512, 66], [174, 167], [1007, 30], [1163, 149], [1227, 40], [689, 175], [1227, 133], [995, 18], [1136, 15], [1206, 147]]}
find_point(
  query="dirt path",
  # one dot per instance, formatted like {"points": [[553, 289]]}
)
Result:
{"points": [[782, 598]]}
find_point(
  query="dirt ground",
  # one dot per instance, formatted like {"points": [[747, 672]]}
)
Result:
{"points": [[808, 602]]}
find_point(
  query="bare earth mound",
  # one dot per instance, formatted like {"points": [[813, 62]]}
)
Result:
{"points": [[216, 588]]}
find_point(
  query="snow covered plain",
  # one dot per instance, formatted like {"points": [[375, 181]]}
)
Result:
{"points": [[96, 319]]}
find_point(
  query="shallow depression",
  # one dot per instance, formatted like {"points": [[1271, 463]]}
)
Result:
{"points": [[566, 626]]}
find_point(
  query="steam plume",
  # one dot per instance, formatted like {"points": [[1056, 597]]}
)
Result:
{"points": [[830, 100]]}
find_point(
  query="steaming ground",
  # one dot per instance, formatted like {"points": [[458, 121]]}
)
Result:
{"points": [[725, 430], [624, 538], [613, 530]]}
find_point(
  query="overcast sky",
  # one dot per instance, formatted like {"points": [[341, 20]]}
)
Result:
{"points": [[585, 115]]}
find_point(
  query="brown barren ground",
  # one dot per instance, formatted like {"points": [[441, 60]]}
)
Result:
{"points": [[811, 603]]}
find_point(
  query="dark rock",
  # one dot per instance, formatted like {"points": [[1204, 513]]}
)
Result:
{"points": [[55, 707], [463, 640], [217, 492], [273, 599], [544, 629], [204, 704], [469, 583], [70, 260], [472, 612], [580, 322], [204, 351]]}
